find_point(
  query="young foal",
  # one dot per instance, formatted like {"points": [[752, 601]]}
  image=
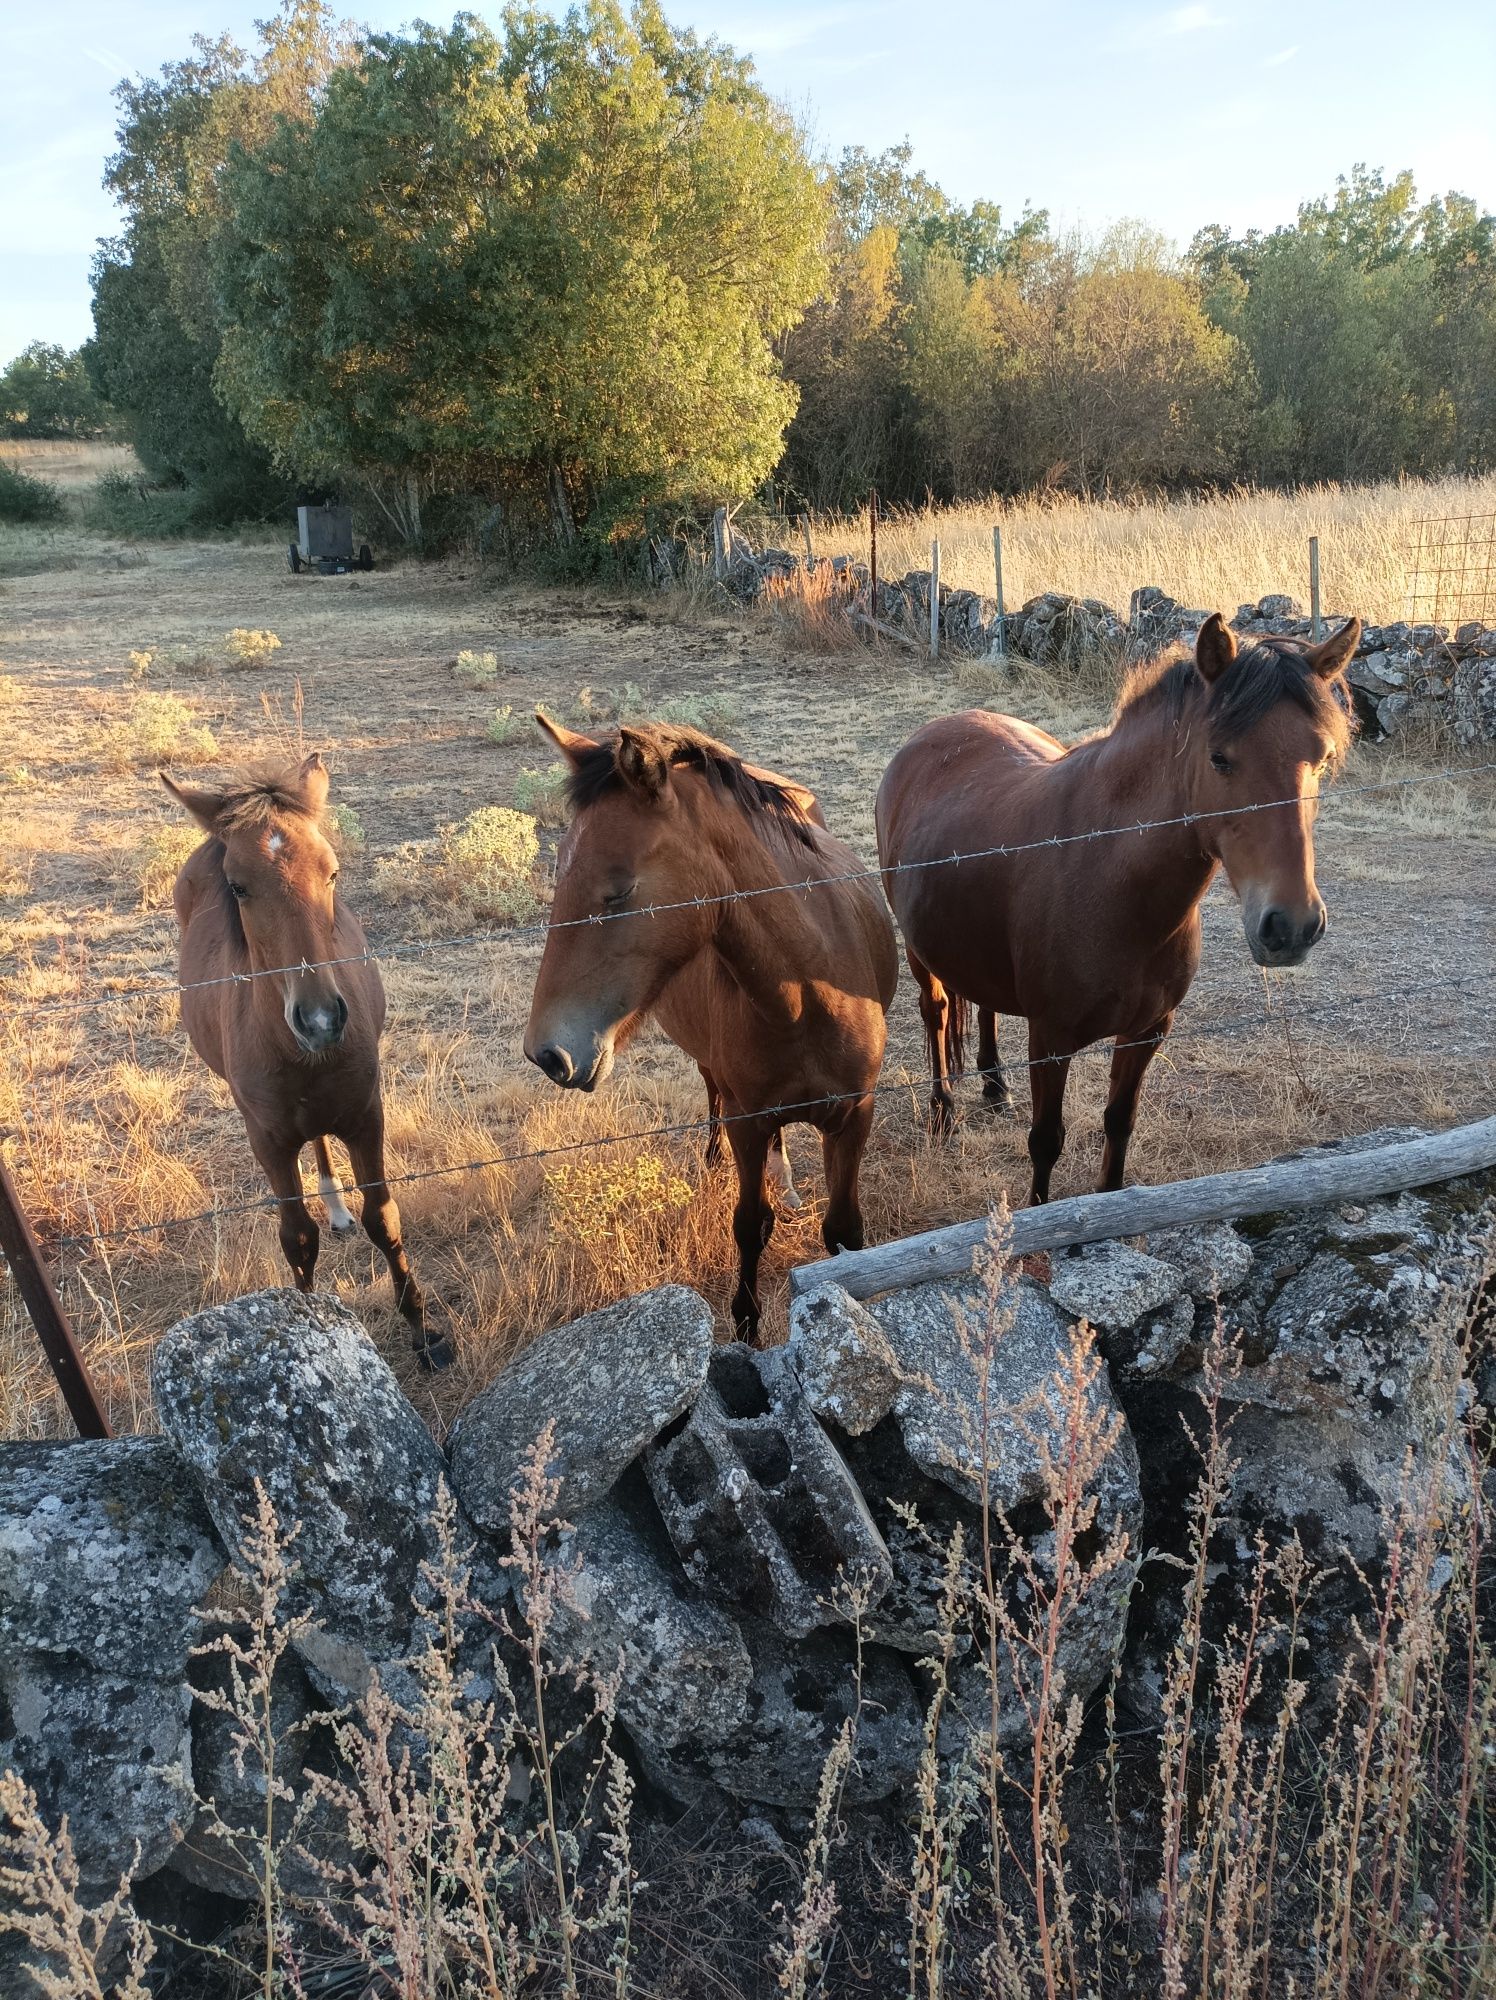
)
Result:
{"points": [[780, 998], [299, 1045], [1101, 938]]}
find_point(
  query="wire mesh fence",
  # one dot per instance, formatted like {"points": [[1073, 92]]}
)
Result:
{"points": [[1452, 571]]}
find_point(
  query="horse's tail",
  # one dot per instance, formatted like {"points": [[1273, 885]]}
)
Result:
{"points": [[957, 1026]]}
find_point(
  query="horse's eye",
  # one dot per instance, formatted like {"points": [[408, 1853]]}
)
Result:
{"points": [[1220, 762], [238, 891], [616, 896], [332, 880]]}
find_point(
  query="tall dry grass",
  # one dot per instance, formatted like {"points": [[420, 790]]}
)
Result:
{"points": [[69, 463], [1211, 553]]}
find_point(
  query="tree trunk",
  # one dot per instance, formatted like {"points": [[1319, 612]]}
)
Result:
{"points": [[562, 518]]}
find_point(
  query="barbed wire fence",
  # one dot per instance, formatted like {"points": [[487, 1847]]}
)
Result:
{"points": [[1337, 1008]]}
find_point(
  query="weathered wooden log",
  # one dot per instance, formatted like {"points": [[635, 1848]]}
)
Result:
{"points": [[887, 631], [1311, 1182]]}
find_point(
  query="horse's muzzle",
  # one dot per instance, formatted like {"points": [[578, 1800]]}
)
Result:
{"points": [[319, 1029], [1278, 937], [561, 1067]]}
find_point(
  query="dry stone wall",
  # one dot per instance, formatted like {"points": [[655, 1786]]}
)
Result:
{"points": [[752, 1546], [1402, 674]]}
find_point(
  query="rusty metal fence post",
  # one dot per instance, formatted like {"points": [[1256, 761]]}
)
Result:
{"points": [[47, 1315]]}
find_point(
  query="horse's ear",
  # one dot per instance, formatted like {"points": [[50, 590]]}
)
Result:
{"points": [[572, 745], [1215, 648], [642, 763], [1335, 653], [314, 780], [204, 806]]}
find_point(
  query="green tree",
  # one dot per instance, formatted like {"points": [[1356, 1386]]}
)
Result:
{"points": [[156, 340], [552, 260], [1370, 325], [895, 362], [46, 393]]}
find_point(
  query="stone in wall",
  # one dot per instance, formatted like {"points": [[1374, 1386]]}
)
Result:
{"points": [[106, 1553]]}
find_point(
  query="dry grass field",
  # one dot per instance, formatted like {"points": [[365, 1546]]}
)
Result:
{"points": [[71, 466], [1212, 553], [109, 1120]]}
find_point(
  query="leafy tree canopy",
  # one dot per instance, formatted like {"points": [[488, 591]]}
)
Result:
{"points": [[46, 393], [558, 255]]}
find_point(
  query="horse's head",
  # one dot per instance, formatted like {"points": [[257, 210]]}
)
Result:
{"points": [[660, 818], [281, 873], [1266, 725]]}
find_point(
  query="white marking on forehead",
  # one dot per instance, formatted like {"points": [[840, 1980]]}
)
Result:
{"points": [[275, 843]]}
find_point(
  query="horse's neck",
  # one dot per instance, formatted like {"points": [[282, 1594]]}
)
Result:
{"points": [[1136, 775], [768, 941]]}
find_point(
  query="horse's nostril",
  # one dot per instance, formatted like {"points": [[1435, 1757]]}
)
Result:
{"points": [[1275, 930], [556, 1063]]}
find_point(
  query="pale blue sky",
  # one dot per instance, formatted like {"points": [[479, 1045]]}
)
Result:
{"points": [[1222, 112]]}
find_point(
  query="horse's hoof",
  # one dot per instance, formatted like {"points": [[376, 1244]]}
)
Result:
{"points": [[790, 1198], [998, 1101], [435, 1352]]}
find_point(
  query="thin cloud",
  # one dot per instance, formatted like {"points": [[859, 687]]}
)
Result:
{"points": [[1283, 56], [1157, 29]]}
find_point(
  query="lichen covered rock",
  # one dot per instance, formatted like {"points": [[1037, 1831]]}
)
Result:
{"points": [[105, 1555], [611, 1382], [288, 1392]]}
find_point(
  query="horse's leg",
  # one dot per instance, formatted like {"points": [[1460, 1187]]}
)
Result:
{"points": [[752, 1219], [713, 1117], [934, 1010], [1130, 1062], [989, 1067], [338, 1217], [842, 1151], [299, 1235], [1047, 1077], [780, 1174], [381, 1220]]}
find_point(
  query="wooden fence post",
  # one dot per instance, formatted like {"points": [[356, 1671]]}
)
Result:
{"points": [[1002, 616], [1316, 623], [872, 536], [935, 600], [720, 544]]}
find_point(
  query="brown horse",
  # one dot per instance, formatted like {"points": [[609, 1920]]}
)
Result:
{"points": [[1090, 939], [298, 1044], [780, 997]]}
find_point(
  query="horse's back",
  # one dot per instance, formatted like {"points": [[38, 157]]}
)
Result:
{"points": [[951, 767], [955, 773]]}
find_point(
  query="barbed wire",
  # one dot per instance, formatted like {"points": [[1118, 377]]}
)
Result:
{"points": [[419, 947], [681, 1128]]}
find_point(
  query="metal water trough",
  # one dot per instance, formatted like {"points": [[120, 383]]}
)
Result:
{"points": [[324, 542]]}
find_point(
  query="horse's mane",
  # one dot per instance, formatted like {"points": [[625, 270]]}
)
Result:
{"points": [[1262, 675], [596, 774], [259, 793]]}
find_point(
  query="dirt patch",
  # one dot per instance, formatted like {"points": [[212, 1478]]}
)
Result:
{"points": [[109, 1118]]}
